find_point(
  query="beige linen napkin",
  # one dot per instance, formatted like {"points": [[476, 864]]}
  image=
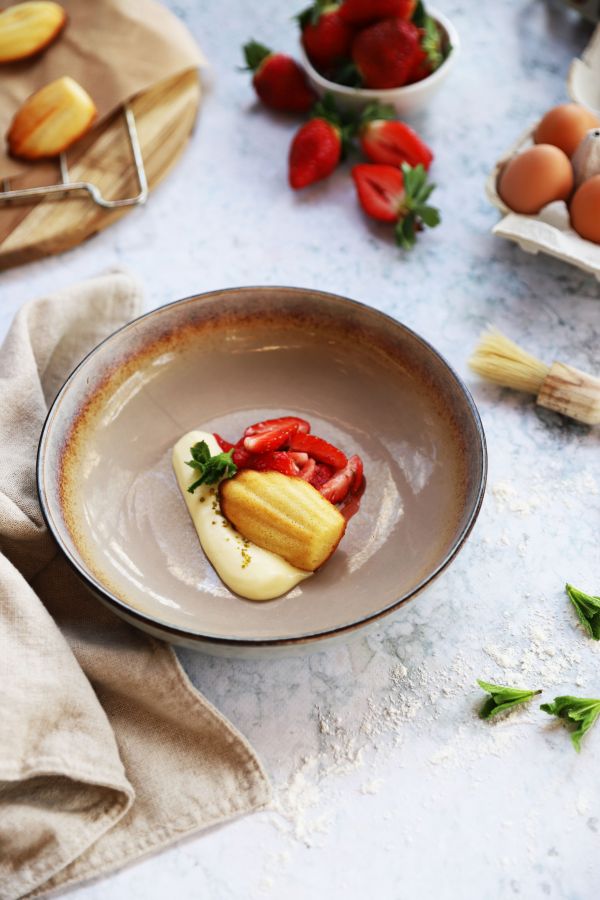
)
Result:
{"points": [[107, 751]]}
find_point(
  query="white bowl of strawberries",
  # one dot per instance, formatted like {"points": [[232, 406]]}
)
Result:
{"points": [[394, 51]]}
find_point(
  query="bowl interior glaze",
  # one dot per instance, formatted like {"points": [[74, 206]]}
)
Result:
{"points": [[218, 362]]}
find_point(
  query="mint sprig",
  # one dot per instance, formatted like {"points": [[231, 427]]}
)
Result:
{"points": [[212, 468], [587, 609], [580, 712], [502, 698]]}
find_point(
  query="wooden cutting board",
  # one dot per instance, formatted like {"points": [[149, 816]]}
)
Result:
{"points": [[164, 115]]}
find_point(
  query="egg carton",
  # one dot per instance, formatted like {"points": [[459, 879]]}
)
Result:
{"points": [[550, 232]]}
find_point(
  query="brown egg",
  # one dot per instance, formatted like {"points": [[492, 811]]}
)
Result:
{"points": [[585, 210], [534, 178], [565, 127]]}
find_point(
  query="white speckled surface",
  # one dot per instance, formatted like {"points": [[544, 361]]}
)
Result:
{"points": [[389, 785]]}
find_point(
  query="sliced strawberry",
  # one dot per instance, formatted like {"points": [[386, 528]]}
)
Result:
{"points": [[242, 457], [300, 458], [319, 449], [270, 424], [279, 81], [322, 473], [275, 461], [223, 444], [361, 12], [274, 439], [307, 471], [356, 464], [384, 140], [339, 485]]}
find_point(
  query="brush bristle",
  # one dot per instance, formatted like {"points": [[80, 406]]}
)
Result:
{"points": [[499, 359]]}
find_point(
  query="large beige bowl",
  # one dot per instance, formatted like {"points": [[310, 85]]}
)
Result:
{"points": [[219, 361]]}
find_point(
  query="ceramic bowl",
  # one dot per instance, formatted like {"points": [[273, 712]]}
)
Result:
{"points": [[219, 361], [406, 100]]}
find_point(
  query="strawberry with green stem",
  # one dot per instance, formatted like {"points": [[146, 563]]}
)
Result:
{"points": [[326, 38], [430, 53], [279, 81], [319, 145], [383, 139], [397, 195], [384, 53]]}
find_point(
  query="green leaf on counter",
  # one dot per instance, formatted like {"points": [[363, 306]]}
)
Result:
{"points": [[502, 698], [587, 609], [581, 712], [212, 468]]}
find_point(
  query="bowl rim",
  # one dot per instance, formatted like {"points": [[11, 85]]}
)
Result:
{"points": [[404, 90], [145, 619]]}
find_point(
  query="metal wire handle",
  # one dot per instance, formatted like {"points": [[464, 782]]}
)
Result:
{"points": [[67, 186]]}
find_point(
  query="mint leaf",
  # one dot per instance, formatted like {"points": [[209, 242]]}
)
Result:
{"points": [[212, 468], [502, 698], [587, 609], [581, 712]]}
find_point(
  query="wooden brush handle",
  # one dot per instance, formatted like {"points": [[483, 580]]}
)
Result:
{"points": [[573, 393]]}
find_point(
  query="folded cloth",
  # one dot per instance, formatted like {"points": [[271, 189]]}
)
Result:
{"points": [[107, 751]]}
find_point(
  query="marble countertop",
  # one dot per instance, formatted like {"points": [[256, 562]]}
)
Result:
{"points": [[387, 783]]}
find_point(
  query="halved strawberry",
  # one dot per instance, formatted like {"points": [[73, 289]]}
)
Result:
{"points": [[361, 12], [270, 424], [274, 439], [385, 140], [223, 444], [396, 195], [319, 449], [356, 464], [275, 461], [339, 485]]}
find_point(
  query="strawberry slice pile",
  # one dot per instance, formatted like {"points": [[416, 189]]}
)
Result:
{"points": [[286, 445]]}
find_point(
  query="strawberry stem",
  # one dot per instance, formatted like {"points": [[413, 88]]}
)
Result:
{"points": [[416, 211]]}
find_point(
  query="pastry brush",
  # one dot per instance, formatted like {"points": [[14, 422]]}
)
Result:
{"points": [[558, 387]]}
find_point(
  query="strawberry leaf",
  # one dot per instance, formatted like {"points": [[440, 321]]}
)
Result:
{"points": [[376, 111], [429, 215], [432, 44], [255, 54]]}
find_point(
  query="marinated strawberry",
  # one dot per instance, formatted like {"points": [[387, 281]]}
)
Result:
{"points": [[361, 12], [279, 81], [385, 53], [356, 464], [326, 37], [275, 461], [273, 439], [319, 449], [223, 444], [242, 457], [307, 471], [385, 140], [282, 421], [396, 195], [336, 489], [322, 473]]}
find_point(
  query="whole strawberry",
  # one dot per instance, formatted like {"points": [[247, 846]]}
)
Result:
{"points": [[315, 152], [383, 139], [430, 55], [278, 80], [361, 12], [396, 195], [385, 53], [326, 38]]}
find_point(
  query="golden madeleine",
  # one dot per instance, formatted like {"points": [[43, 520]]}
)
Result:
{"points": [[25, 29], [283, 514], [51, 120]]}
